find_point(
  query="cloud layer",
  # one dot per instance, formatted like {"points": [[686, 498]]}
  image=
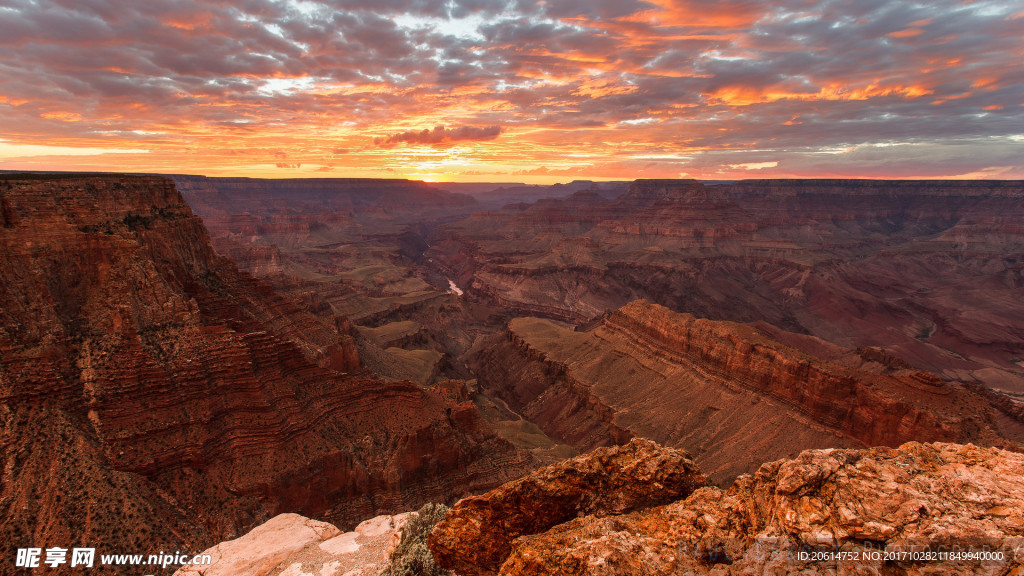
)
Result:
{"points": [[441, 135], [501, 90]]}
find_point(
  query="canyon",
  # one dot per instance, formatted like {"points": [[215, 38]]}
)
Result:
{"points": [[357, 247], [189, 358], [351, 248], [929, 270]]}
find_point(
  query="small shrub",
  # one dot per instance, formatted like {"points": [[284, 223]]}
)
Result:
{"points": [[412, 557]]}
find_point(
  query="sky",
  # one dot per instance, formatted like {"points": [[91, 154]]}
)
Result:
{"points": [[515, 90]]}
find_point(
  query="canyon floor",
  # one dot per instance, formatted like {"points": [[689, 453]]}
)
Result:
{"points": [[189, 358]]}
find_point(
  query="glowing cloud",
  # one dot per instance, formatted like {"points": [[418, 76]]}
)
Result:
{"points": [[754, 165], [491, 89]]}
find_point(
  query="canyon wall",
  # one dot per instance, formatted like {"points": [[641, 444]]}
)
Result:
{"points": [[155, 397], [723, 391]]}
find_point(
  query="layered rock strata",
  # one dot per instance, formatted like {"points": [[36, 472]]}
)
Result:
{"points": [[723, 391], [155, 397]]}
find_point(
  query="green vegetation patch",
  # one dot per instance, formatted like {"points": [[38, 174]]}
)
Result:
{"points": [[412, 557]]}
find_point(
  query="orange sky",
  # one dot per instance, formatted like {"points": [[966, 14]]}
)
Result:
{"points": [[539, 92]]}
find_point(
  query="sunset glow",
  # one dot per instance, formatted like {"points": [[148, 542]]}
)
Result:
{"points": [[482, 90]]}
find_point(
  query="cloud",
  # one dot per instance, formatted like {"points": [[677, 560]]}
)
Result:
{"points": [[239, 85], [539, 171], [754, 165], [441, 135]]}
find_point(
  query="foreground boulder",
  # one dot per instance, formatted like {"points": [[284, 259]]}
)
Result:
{"points": [[294, 544], [476, 536], [875, 511]]}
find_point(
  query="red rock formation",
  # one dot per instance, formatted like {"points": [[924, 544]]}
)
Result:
{"points": [[862, 511], [154, 397], [928, 270], [722, 391], [477, 534]]}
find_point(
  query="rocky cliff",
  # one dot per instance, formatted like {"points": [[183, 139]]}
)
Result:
{"points": [[723, 391], [477, 534], [899, 510], [155, 397]]}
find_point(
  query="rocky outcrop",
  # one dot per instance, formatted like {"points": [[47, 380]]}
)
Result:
{"points": [[477, 534], [290, 543], [723, 391], [152, 396], [927, 270], [880, 510]]}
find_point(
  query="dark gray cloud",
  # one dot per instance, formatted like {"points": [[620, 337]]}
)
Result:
{"points": [[441, 135]]}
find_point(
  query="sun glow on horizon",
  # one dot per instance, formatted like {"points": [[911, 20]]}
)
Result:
{"points": [[448, 91]]}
